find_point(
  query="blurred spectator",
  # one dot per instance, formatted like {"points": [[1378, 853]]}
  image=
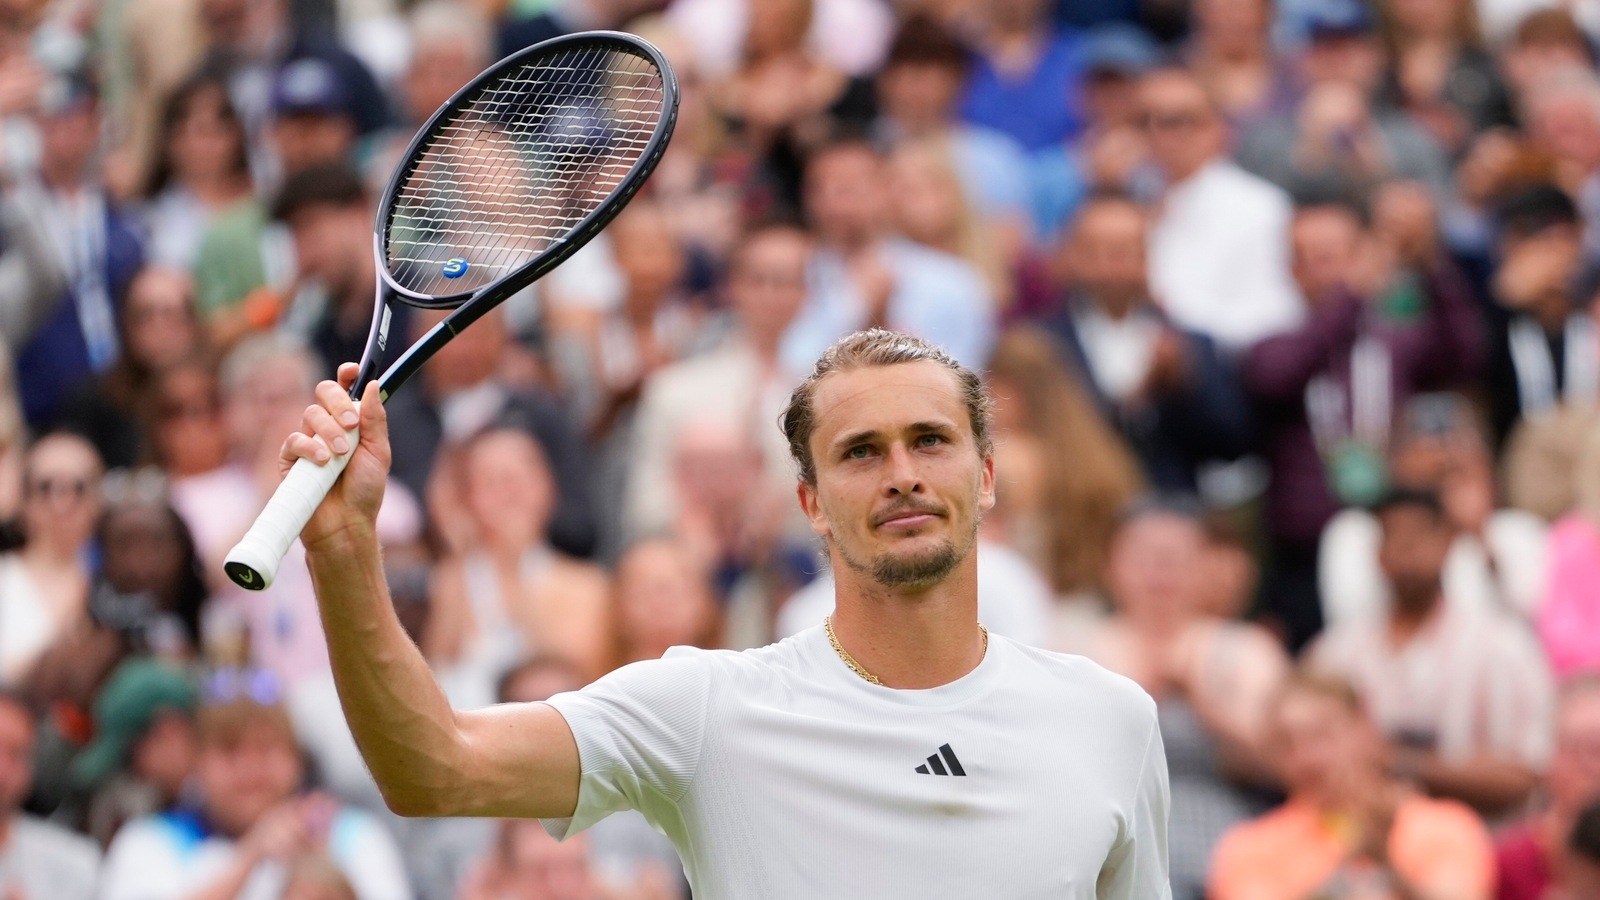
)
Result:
{"points": [[142, 757], [1230, 51], [918, 89], [931, 208], [849, 35], [502, 591], [1529, 856], [1231, 573], [13, 440], [313, 117], [1211, 678], [160, 328], [1497, 558], [1463, 696], [1025, 78], [1059, 517], [1546, 44], [660, 598], [1111, 156], [328, 213], [1563, 121], [527, 863], [462, 392], [253, 819], [1439, 73], [65, 329], [1334, 141], [1544, 350], [1218, 245], [37, 859], [1580, 864], [187, 435], [202, 169], [1165, 388], [313, 876], [44, 585], [1349, 829], [1327, 391], [743, 380], [1568, 613], [785, 100]]}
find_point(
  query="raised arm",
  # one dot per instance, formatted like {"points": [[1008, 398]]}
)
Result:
{"points": [[428, 759]]}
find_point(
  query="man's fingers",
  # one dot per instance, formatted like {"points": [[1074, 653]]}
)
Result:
{"points": [[347, 375], [320, 422], [335, 398], [374, 419], [304, 446]]}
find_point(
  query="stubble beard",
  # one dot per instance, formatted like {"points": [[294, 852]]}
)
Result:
{"points": [[922, 569]]}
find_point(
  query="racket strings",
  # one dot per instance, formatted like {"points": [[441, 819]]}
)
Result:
{"points": [[517, 168]]}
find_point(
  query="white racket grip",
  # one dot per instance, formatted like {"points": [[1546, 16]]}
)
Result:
{"points": [[253, 562]]}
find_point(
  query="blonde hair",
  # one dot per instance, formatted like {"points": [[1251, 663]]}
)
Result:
{"points": [[1093, 475]]}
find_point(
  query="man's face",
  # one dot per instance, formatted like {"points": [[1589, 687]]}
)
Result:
{"points": [[436, 72], [1412, 553], [1574, 776], [1318, 743], [247, 774], [1106, 255], [919, 95], [844, 193], [307, 139], [1324, 242], [1353, 59], [900, 484], [767, 281], [16, 757], [1183, 129], [332, 244]]}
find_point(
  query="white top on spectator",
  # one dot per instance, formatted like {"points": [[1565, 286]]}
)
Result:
{"points": [[775, 770], [43, 860]]}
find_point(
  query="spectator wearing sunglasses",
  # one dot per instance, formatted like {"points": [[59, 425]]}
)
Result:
{"points": [[44, 585], [254, 818]]}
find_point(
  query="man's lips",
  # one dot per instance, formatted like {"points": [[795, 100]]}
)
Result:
{"points": [[907, 518]]}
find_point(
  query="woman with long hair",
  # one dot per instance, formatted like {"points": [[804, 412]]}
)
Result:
{"points": [[1063, 473], [1439, 72]]}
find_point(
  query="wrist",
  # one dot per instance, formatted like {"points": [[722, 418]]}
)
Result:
{"points": [[353, 537]]}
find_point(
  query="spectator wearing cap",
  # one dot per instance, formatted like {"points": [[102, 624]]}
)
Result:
{"points": [[1497, 558], [1544, 350], [1219, 254], [37, 859], [142, 756], [1463, 697], [1111, 154], [1327, 391], [63, 330], [1349, 828], [1531, 855], [1165, 388], [313, 119], [1026, 74], [253, 817], [1333, 139]]}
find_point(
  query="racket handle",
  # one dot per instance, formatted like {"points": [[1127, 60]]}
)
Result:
{"points": [[253, 562]]}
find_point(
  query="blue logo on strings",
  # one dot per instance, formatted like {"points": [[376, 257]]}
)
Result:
{"points": [[455, 268]]}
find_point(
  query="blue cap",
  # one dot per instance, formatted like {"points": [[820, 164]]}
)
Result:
{"points": [[1333, 19], [1120, 48], [309, 85]]}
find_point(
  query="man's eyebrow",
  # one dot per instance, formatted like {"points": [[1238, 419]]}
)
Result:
{"points": [[855, 437], [862, 437]]}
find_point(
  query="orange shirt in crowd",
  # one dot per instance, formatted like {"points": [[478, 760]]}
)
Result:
{"points": [[1439, 847]]}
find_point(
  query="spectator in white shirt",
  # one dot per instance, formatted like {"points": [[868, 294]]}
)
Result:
{"points": [[1464, 697], [1219, 259]]}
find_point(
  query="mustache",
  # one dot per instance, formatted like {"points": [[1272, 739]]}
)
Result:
{"points": [[913, 508]]}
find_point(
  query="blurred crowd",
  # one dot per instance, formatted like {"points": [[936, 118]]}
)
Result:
{"points": [[1291, 310]]}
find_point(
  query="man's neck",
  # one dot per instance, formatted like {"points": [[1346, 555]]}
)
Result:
{"points": [[1407, 619], [910, 641]]}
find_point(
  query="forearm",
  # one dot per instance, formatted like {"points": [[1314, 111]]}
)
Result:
{"points": [[401, 720], [1491, 785]]}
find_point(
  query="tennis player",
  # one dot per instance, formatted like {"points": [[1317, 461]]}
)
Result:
{"points": [[896, 750]]}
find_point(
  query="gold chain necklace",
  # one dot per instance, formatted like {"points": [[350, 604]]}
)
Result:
{"points": [[858, 668]]}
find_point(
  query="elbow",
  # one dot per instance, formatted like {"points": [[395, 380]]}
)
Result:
{"points": [[410, 804]]}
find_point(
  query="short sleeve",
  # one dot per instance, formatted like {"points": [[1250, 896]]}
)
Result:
{"points": [[1136, 868], [639, 732]]}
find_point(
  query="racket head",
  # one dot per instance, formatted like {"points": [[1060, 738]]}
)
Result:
{"points": [[523, 166]]}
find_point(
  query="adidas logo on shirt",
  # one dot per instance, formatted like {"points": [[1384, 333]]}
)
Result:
{"points": [[942, 763]]}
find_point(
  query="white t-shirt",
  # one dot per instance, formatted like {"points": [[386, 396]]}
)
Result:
{"points": [[779, 773], [172, 855]]}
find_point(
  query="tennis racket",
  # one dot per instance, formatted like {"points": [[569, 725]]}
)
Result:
{"points": [[511, 176]]}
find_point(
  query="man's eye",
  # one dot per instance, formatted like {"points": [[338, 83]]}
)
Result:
{"points": [[858, 452], [929, 440]]}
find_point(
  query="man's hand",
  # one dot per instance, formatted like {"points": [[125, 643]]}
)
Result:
{"points": [[354, 500]]}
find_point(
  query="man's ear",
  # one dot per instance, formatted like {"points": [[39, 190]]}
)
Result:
{"points": [[811, 505]]}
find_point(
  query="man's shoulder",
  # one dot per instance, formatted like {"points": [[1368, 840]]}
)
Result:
{"points": [[36, 837]]}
